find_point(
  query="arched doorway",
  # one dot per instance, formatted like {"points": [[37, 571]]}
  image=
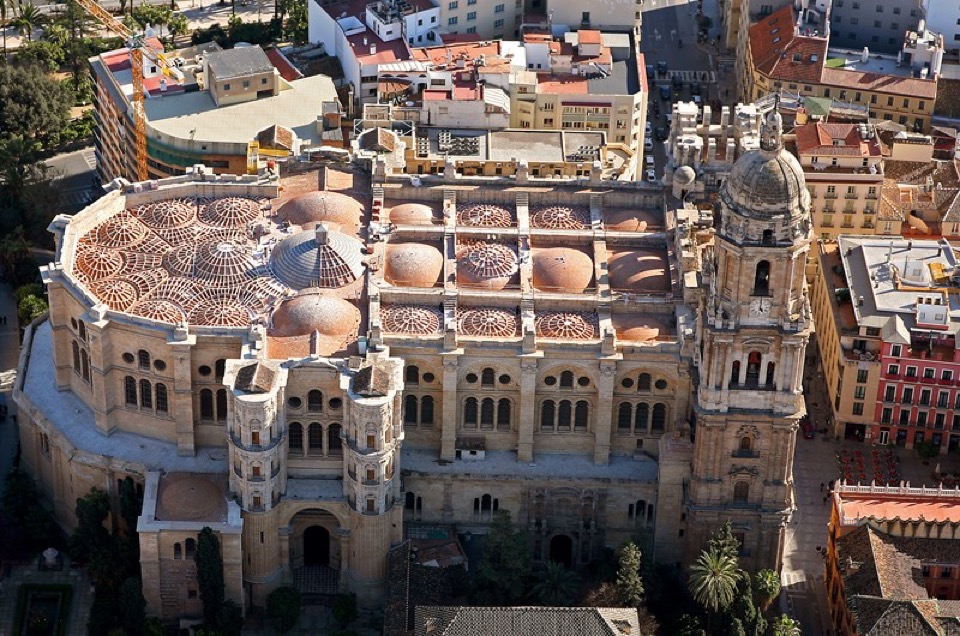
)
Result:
{"points": [[316, 546], [561, 549]]}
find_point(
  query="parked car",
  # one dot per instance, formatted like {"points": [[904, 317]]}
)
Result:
{"points": [[661, 68], [661, 133], [677, 82], [647, 143], [807, 427], [695, 88], [650, 72], [666, 94], [649, 127], [651, 176], [648, 161]]}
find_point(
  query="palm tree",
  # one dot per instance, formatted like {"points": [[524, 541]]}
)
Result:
{"points": [[29, 19], [786, 626], [714, 580], [767, 587], [558, 586]]}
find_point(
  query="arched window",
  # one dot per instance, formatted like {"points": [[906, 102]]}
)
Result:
{"points": [[642, 419], [741, 492], [191, 545], [177, 551], [146, 394], [484, 507], [220, 366], [624, 417], [746, 443], [643, 382], [426, 410], [503, 415], [221, 405], [206, 404], [412, 375], [753, 369], [487, 377], [486, 414], [76, 357], [564, 412], [315, 401], [130, 391], [735, 373], [334, 443], [638, 511], [767, 237], [581, 416], [82, 330], [771, 368], [296, 437], [162, 398], [470, 408], [659, 419], [547, 415], [410, 410], [85, 365], [315, 436], [143, 360], [566, 380], [761, 280]]}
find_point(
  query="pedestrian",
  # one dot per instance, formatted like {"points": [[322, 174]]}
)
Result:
{"points": [[821, 486], [831, 486]]}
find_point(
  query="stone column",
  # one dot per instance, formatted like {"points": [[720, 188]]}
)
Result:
{"points": [[181, 396], [528, 410], [285, 568], [448, 433], [604, 413]]}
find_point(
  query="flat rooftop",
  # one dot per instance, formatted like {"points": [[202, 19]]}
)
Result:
{"points": [[548, 146], [882, 64]]}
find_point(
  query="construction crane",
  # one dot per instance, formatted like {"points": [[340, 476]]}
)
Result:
{"points": [[137, 50]]}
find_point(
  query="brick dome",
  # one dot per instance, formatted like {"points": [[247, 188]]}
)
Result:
{"points": [[322, 206], [411, 214], [317, 258], [562, 269], [312, 310], [413, 265]]}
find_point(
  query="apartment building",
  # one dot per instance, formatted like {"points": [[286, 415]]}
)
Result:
{"points": [[490, 19], [782, 52], [942, 17], [877, 24], [843, 165], [893, 559], [925, 191], [206, 105]]}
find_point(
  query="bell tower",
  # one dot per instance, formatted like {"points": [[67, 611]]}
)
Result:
{"points": [[753, 333]]}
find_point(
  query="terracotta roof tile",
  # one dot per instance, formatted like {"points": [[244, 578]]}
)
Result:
{"points": [[893, 84]]}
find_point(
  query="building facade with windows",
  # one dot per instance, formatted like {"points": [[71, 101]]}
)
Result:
{"points": [[880, 25]]}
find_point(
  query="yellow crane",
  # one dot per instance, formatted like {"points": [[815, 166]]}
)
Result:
{"points": [[137, 50]]}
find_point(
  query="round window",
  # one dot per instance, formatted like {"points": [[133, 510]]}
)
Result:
{"points": [[549, 380], [128, 358], [583, 381], [428, 377], [159, 365], [204, 370], [294, 402], [660, 384], [504, 379], [336, 403], [626, 383], [471, 378]]}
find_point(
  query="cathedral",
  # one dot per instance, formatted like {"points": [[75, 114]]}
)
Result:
{"points": [[321, 367]]}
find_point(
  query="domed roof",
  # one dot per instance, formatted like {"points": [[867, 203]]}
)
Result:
{"points": [[413, 264], [314, 207], [768, 181], [411, 214], [489, 265], [311, 311], [685, 175], [562, 269], [642, 271], [640, 327], [317, 258]]}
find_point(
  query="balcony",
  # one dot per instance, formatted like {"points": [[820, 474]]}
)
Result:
{"points": [[830, 195], [745, 454], [751, 386], [850, 195]]}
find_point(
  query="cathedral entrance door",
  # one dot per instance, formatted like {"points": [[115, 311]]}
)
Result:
{"points": [[316, 546], [561, 549]]}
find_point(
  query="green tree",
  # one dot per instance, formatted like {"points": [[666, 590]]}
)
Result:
{"points": [[558, 586], [505, 564], [44, 54], [744, 613], [283, 608], [629, 579], [28, 19], [724, 541], [33, 107], [209, 575], [295, 26], [178, 27], [30, 308], [785, 626], [345, 609], [230, 619], [132, 606], [713, 580], [766, 584], [689, 625]]}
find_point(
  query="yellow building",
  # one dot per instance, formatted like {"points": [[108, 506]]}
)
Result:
{"points": [[777, 54]]}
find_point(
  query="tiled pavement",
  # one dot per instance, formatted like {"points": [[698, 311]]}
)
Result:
{"points": [[28, 573]]}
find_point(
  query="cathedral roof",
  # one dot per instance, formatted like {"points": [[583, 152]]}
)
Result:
{"points": [[767, 181]]}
